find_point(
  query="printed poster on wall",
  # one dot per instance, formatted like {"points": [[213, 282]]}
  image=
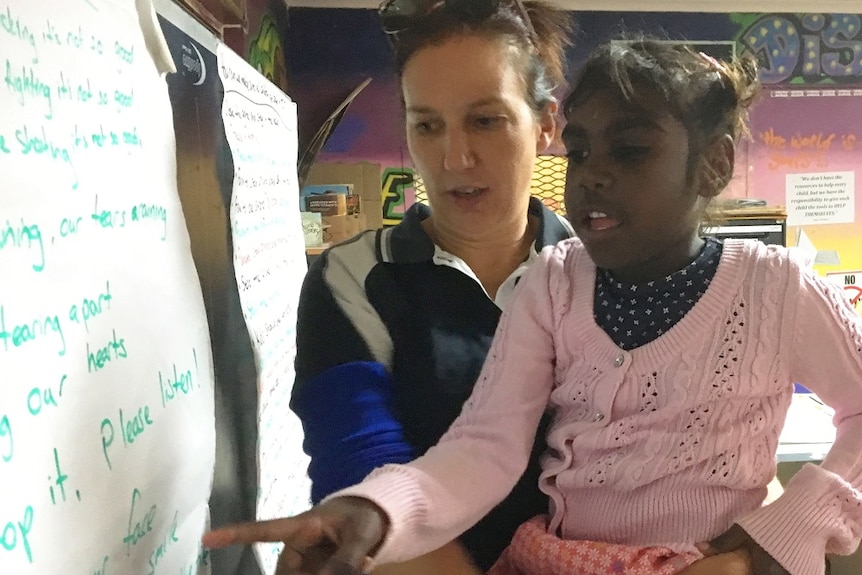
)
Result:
{"points": [[106, 402], [821, 198], [269, 260]]}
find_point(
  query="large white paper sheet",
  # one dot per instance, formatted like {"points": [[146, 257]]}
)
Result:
{"points": [[269, 261], [106, 378]]}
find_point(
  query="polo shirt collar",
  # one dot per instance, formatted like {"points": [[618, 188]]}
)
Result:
{"points": [[408, 243]]}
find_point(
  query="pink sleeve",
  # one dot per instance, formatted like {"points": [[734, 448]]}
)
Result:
{"points": [[435, 498], [821, 509]]}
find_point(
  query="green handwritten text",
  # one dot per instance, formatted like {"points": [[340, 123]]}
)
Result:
{"points": [[130, 429], [139, 529], [91, 308], [181, 385], [163, 547], [141, 212], [24, 236], [18, 532], [13, 26], [28, 85], [30, 331], [38, 398], [6, 431], [114, 350], [103, 570], [60, 481]]}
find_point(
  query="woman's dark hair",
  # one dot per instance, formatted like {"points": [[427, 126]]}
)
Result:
{"points": [[710, 97], [543, 63]]}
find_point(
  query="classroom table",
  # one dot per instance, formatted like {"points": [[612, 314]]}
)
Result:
{"points": [[808, 432]]}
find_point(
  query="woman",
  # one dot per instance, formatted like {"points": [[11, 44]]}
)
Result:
{"points": [[394, 325]]}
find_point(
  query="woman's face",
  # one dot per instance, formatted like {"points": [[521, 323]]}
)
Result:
{"points": [[471, 132]]}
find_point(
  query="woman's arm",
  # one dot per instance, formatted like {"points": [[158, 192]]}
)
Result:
{"points": [[343, 395], [343, 390], [476, 463]]}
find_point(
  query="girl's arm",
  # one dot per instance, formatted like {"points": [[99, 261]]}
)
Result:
{"points": [[432, 500], [821, 509]]}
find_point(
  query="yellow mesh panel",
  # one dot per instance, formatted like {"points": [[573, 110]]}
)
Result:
{"points": [[549, 180], [419, 188]]}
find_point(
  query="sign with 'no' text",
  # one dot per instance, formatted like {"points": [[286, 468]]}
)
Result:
{"points": [[851, 281]]}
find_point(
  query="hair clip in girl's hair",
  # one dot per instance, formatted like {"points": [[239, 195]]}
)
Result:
{"points": [[719, 67]]}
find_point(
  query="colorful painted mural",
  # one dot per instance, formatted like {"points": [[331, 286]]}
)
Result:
{"points": [[398, 193], [266, 54], [814, 48], [803, 48]]}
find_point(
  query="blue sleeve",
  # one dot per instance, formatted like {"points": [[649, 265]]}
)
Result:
{"points": [[342, 394], [349, 425]]}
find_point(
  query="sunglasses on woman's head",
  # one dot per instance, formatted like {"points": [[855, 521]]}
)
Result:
{"points": [[399, 15]]}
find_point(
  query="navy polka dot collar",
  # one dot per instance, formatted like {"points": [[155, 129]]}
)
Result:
{"points": [[634, 315]]}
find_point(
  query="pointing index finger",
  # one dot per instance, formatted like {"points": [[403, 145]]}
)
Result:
{"points": [[272, 531]]}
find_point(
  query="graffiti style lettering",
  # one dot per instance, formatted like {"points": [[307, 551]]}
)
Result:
{"points": [[266, 55], [803, 151], [845, 56], [396, 182], [806, 49], [811, 43], [775, 41], [812, 141], [773, 140]]}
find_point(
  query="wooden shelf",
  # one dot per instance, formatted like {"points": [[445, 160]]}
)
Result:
{"points": [[218, 14], [317, 250], [776, 212], [730, 210]]}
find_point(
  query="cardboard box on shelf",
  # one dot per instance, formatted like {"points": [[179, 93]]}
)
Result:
{"points": [[320, 189], [340, 228], [330, 199], [365, 179], [372, 214], [329, 204]]}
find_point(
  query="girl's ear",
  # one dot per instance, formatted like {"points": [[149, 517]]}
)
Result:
{"points": [[716, 167]]}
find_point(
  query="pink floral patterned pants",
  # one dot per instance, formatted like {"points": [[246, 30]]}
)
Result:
{"points": [[534, 551]]}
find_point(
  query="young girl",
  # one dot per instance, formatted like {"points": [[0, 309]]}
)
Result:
{"points": [[667, 360]]}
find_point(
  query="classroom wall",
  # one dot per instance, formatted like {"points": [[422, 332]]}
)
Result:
{"points": [[806, 123], [328, 49]]}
